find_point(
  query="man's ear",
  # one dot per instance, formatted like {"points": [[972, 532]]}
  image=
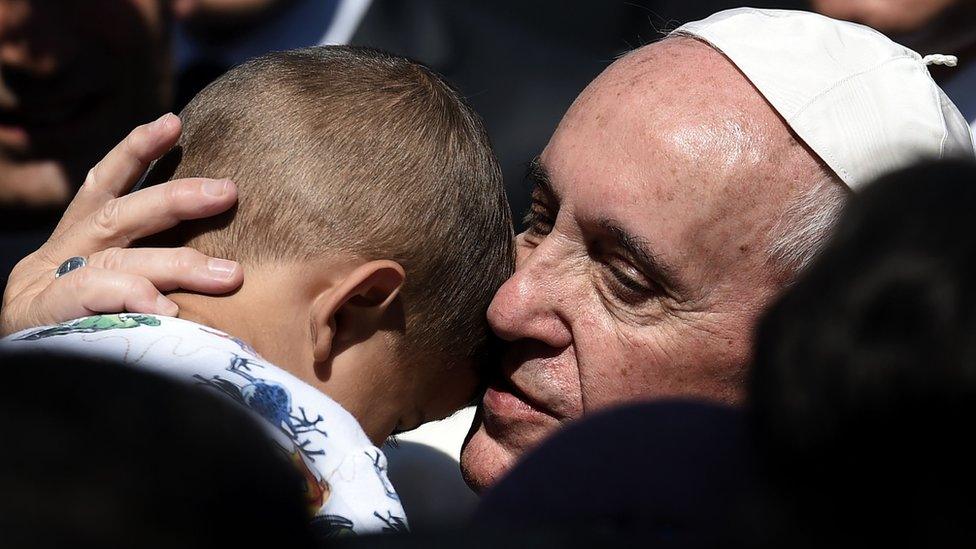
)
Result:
{"points": [[356, 308]]}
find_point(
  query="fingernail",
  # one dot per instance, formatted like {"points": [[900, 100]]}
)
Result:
{"points": [[160, 122], [166, 307], [216, 188], [222, 268]]}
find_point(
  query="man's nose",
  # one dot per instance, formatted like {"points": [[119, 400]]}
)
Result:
{"points": [[527, 306]]}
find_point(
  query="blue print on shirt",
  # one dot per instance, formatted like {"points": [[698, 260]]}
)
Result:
{"points": [[270, 400]]}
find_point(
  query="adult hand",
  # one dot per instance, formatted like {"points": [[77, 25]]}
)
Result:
{"points": [[101, 223]]}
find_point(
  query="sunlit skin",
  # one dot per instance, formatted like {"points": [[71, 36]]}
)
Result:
{"points": [[310, 319], [645, 263]]}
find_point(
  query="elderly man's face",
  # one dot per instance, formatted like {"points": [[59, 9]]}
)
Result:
{"points": [[645, 263]]}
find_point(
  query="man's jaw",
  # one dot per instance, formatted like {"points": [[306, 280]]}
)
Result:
{"points": [[483, 459], [509, 424], [536, 390]]}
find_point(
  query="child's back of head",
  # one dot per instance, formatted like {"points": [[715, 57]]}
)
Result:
{"points": [[343, 150]]}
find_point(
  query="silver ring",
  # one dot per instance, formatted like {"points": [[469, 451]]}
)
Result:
{"points": [[70, 264]]}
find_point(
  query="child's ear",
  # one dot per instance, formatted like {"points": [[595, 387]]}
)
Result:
{"points": [[356, 307]]}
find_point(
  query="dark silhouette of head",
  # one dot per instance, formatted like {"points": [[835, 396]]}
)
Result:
{"points": [[96, 454], [863, 389]]}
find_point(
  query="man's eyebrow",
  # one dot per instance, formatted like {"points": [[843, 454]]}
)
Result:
{"points": [[637, 247], [538, 175]]}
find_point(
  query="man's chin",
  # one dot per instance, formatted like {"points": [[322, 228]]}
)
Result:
{"points": [[484, 460], [496, 443]]}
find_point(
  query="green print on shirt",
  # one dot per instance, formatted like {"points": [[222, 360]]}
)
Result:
{"points": [[92, 324]]}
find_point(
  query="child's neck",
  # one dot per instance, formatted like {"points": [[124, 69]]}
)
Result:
{"points": [[269, 313], [263, 323]]}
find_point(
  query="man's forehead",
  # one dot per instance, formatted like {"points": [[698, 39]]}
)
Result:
{"points": [[673, 118], [610, 186], [619, 157], [681, 65], [693, 232], [685, 163]]}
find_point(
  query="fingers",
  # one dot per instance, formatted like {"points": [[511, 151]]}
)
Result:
{"points": [[122, 167], [146, 212], [91, 290], [169, 269]]}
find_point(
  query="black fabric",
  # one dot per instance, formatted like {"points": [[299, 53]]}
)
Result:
{"points": [[666, 471]]}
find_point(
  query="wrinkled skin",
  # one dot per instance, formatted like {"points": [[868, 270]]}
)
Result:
{"points": [[674, 147]]}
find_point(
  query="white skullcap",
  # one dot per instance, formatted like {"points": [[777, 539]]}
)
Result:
{"points": [[863, 103]]}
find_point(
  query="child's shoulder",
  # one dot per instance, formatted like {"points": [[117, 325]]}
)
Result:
{"points": [[346, 476], [87, 325], [130, 338]]}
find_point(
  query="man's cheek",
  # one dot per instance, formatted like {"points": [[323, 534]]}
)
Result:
{"points": [[628, 365], [559, 383], [598, 351]]}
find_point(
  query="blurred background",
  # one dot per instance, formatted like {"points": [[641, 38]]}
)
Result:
{"points": [[76, 75]]}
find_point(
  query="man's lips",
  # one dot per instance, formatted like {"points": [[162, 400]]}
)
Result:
{"points": [[504, 403]]}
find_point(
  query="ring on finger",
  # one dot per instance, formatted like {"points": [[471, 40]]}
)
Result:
{"points": [[70, 264]]}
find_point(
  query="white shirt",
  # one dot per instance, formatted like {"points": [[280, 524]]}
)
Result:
{"points": [[346, 476]]}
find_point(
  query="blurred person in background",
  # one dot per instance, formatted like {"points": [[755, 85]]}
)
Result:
{"points": [[863, 391], [75, 75], [893, 16], [213, 36], [947, 26]]}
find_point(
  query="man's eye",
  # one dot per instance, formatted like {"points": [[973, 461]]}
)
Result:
{"points": [[538, 219], [630, 288]]}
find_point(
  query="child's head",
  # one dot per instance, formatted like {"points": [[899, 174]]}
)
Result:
{"points": [[358, 162]]}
